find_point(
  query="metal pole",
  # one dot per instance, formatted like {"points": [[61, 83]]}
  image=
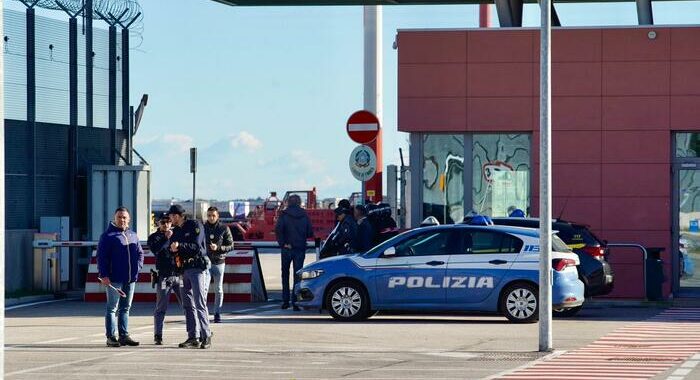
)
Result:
{"points": [[2, 200], [372, 21], [31, 104], [194, 195], [545, 325], [125, 81], [88, 63], [112, 98]]}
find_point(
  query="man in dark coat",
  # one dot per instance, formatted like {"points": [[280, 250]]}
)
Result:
{"points": [[119, 260], [292, 230]]}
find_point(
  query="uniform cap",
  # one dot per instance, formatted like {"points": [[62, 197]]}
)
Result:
{"points": [[176, 209]]}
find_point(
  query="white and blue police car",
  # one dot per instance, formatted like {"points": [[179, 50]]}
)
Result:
{"points": [[457, 267]]}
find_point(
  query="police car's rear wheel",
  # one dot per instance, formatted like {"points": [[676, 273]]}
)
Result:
{"points": [[348, 301], [520, 304]]}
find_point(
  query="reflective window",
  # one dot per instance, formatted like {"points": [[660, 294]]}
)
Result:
{"points": [[687, 144], [500, 173], [443, 180], [435, 242], [488, 242]]}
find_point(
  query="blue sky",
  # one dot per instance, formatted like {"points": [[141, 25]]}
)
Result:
{"points": [[264, 92]]}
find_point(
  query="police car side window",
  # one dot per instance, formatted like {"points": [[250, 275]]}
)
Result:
{"points": [[487, 242], [429, 243]]}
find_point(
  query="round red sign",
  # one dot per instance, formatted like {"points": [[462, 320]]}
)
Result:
{"points": [[363, 127]]}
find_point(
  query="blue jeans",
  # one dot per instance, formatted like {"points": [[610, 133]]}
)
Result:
{"points": [[195, 287], [217, 277], [120, 305], [296, 258], [172, 285]]}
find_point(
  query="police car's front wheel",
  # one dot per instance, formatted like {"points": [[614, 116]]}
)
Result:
{"points": [[520, 303], [348, 301]]}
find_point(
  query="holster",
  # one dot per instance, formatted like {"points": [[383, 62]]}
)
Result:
{"points": [[154, 278]]}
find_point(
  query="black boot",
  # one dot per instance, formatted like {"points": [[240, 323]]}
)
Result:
{"points": [[206, 343], [112, 342], [158, 340], [127, 341], [285, 306], [190, 343], [217, 318]]}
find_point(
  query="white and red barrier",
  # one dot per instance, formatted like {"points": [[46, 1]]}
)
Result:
{"points": [[243, 280]]}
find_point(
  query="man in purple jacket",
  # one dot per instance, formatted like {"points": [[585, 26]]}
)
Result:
{"points": [[119, 260]]}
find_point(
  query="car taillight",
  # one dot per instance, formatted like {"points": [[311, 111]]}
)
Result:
{"points": [[595, 252], [560, 264]]}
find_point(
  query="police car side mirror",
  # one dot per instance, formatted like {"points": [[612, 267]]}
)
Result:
{"points": [[390, 252]]}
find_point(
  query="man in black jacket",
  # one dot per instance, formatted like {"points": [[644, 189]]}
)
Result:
{"points": [[292, 230], [167, 276], [188, 243], [219, 243]]}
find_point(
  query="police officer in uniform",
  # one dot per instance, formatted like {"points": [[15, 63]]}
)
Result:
{"points": [[341, 240], [188, 243], [167, 278]]}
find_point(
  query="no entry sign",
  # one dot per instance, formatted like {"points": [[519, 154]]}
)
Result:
{"points": [[363, 127]]}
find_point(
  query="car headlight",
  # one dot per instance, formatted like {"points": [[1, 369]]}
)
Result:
{"points": [[309, 274]]}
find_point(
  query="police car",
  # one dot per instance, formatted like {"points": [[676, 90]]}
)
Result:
{"points": [[443, 268]]}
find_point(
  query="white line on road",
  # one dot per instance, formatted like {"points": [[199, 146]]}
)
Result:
{"points": [[38, 303], [68, 363], [57, 340]]}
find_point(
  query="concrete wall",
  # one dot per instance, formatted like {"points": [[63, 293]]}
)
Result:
{"points": [[617, 98], [18, 259]]}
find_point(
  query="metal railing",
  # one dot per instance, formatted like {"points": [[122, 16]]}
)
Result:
{"points": [[644, 258]]}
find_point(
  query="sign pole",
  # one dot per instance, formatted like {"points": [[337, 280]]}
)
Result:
{"points": [[545, 325], [193, 170], [364, 190]]}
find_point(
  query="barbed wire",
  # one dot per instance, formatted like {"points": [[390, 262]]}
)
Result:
{"points": [[130, 8]]}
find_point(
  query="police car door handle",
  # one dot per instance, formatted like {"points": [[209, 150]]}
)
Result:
{"points": [[434, 263], [497, 262]]}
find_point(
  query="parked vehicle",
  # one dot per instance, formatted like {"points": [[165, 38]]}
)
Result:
{"points": [[595, 270], [455, 267]]}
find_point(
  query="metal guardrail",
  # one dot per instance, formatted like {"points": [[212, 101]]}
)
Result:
{"points": [[644, 258]]}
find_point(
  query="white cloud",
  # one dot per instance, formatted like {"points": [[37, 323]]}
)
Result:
{"points": [[246, 140], [181, 143], [302, 159], [143, 140]]}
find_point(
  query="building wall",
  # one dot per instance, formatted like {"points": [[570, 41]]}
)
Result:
{"points": [[617, 97]]}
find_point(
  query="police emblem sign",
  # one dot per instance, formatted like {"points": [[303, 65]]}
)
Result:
{"points": [[363, 163]]}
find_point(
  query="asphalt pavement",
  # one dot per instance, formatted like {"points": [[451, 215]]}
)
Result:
{"points": [[62, 340]]}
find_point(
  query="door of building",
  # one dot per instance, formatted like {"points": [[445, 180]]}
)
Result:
{"points": [[686, 229]]}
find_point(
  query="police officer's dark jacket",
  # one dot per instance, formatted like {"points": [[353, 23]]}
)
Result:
{"points": [[219, 234], [340, 241], [365, 236], [165, 260], [192, 249]]}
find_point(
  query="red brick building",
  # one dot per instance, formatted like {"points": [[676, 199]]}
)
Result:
{"points": [[625, 109]]}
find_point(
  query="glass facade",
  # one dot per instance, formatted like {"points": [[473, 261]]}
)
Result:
{"points": [[499, 176], [687, 144], [500, 173], [443, 178]]}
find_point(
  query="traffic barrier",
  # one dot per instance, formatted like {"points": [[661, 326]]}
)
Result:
{"points": [[243, 281]]}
